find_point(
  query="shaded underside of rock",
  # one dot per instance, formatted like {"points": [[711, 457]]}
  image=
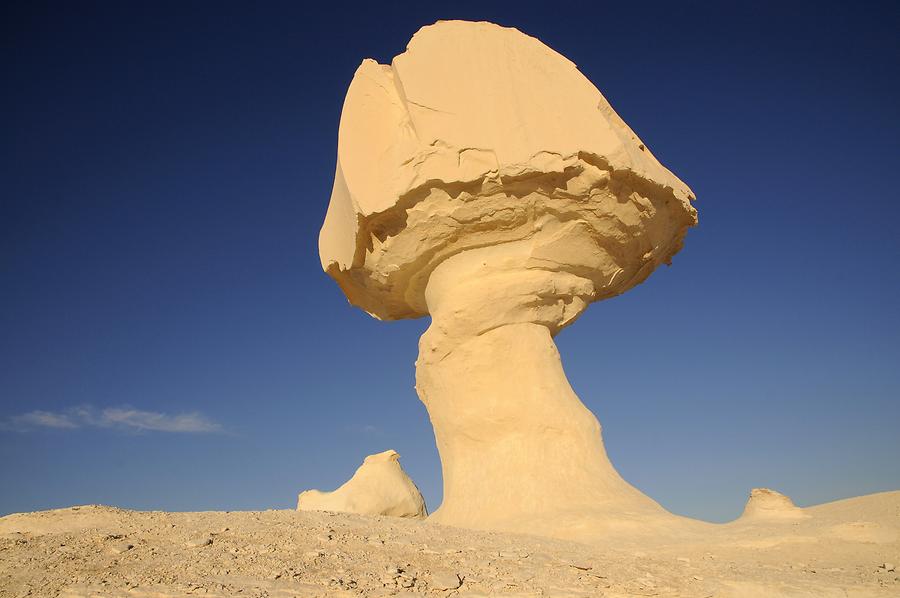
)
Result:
{"points": [[478, 135], [379, 487]]}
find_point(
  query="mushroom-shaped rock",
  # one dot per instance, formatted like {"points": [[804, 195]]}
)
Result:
{"points": [[379, 487], [483, 180], [769, 504]]}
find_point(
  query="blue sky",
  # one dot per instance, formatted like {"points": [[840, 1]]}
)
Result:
{"points": [[169, 341]]}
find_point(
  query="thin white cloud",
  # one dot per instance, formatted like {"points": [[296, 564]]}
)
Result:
{"points": [[123, 418], [367, 429], [157, 422], [44, 419]]}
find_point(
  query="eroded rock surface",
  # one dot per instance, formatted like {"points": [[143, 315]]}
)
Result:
{"points": [[379, 487], [479, 135], [483, 180], [769, 504]]}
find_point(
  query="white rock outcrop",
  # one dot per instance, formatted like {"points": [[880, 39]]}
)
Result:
{"points": [[379, 487], [483, 180], [769, 504]]}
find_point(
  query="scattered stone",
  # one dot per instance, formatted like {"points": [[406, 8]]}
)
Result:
{"points": [[581, 565], [120, 547], [199, 542], [888, 566], [445, 580]]}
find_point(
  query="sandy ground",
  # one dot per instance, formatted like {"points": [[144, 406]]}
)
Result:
{"points": [[842, 549]]}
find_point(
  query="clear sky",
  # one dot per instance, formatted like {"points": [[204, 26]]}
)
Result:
{"points": [[168, 339]]}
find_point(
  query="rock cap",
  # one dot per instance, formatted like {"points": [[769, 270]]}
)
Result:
{"points": [[476, 135]]}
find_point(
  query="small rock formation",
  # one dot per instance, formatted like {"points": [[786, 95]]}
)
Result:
{"points": [[769, 504], [379, 487], [483, 180]]}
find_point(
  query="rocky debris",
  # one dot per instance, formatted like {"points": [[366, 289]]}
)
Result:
{"points": [[444, 580], [52, 553], [582, 565], [120, 547], [379, 487], [264, 555], [198, 542]]}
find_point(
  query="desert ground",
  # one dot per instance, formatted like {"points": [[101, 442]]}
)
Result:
{"points": [[847, 548]]}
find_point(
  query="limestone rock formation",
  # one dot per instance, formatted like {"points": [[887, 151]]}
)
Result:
{"points": [[379, 487], [769, 504], [479, 135], [483, 180]]}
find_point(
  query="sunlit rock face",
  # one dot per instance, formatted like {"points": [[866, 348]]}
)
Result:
{"points": [[770, 505], [379, 487], [483, 180]]}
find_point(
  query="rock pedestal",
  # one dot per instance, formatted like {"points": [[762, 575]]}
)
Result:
{"points": [[484, 181], [517, 446]]}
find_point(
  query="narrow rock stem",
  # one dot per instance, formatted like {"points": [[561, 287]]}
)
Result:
{"points": [[516, 443]]}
